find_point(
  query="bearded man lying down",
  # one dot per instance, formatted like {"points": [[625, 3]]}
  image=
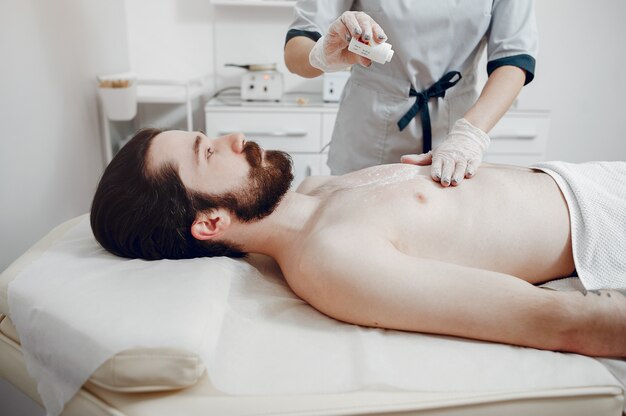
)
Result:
{"points": [[387, 246]]}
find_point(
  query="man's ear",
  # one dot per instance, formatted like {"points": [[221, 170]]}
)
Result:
{"points": [[210, 224]]}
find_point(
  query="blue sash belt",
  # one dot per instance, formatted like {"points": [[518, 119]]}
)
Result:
{"points": [[438, 89]]}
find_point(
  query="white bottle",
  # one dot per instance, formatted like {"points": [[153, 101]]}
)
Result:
{"points": [[377, 52]]}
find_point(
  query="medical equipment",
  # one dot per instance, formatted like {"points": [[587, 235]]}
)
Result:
{"points": [[377, 52], [334, 83], [261, 82]]}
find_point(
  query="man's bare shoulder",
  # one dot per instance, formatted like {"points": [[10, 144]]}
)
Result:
{"points": [[334, 250], [312, 183], [323, 259]]}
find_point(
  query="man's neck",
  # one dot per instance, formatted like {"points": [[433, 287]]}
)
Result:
{"points": [[278, 231]]}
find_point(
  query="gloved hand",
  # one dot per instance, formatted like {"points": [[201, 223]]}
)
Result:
{"points": [[331, 53], [458, 157]]}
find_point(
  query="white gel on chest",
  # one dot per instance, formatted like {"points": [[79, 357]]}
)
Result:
{"points": [[384, 175]]}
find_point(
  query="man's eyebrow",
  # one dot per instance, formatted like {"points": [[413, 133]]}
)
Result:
{"points": [[196, 149]]}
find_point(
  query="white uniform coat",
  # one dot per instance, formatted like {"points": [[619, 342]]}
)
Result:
{"points": [[430, 38]]}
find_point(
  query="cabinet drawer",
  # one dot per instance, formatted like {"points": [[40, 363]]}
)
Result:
{"points": [[514, 159], [328, 125], [520, 135], [272, 130], [308, 164]]}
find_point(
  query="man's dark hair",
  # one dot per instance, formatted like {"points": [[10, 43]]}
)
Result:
{"points": [[140, 214]]}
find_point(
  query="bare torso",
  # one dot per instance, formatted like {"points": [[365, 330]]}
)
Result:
{"points": [[387, 247], [507, 219]]}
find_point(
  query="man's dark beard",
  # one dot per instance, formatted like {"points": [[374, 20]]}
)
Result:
{"points": [[268, 182]]}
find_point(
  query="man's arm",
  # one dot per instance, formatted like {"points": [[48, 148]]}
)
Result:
{"points": [[374, 284]]}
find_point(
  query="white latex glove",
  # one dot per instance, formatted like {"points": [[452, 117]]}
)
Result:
{"points": [[331, 53], [458, 157]]}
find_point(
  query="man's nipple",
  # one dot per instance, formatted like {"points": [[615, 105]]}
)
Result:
{"points": [[421, 198]]}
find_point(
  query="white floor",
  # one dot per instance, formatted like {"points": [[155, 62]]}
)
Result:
{"points": [[15, 403]]}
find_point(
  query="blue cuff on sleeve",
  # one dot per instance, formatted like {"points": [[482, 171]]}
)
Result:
{"points": [[306, 33], [523, 61]]}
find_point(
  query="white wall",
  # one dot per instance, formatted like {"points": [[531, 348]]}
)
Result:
{"points": [[254, 36], [50, 154], [183, 38], [169, 38], [580, 78], [177, 38]]}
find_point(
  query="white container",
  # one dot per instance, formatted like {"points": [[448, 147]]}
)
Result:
{"points": [[377, 52], [119, 104], [334, 83]]}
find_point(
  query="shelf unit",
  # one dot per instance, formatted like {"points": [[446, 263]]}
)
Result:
{"points": [[173, 91], [159, 91]]}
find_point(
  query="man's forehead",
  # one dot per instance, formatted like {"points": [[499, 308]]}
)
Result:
{"points": [[168, 146], [174, 141], [169, 135]]}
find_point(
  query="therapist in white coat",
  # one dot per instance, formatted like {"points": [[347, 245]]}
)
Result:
{"points": [[425, 100]]}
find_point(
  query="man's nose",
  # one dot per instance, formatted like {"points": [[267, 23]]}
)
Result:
{"points": [[237, 141]]}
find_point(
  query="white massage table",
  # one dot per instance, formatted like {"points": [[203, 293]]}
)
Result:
{"points": [[156, 382]]}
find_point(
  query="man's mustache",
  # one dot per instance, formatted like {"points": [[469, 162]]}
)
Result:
{"points": [[254, 154]]}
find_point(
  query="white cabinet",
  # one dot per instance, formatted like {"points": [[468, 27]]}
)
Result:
{"points": [[304, 131], [306, 164], [520, 138], [301, 130], [288, 131], [328, 124]]}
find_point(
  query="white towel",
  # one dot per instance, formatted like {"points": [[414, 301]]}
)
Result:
{"points": [[596, 197]]}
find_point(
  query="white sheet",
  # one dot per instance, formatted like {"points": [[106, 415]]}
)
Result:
{"points": [[77, 306]]}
